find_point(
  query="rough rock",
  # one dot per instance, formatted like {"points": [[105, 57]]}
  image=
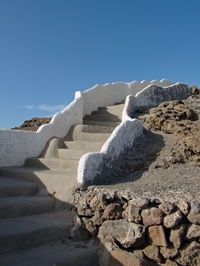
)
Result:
{"points": [[166, 207], [112, 212], [194, 214], [140, 203], [110, 255], [132, 214], [156, 235], [183, 206], [125, 233], [33, 124], [193, 232], [152, 216], [98, 202], [189, 254], [173, 219], [176, 235], [153, 253], [168, 252], [170, 263], [90, 226], [98, 218]]}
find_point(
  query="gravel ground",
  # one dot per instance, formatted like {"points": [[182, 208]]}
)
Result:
{"points": [[146, 172]]}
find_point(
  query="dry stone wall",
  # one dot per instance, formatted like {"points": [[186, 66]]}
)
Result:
{"points": [[137, 231]]}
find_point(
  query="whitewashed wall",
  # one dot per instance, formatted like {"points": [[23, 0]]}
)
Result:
{"points": [[17, 145], [91, 165]]}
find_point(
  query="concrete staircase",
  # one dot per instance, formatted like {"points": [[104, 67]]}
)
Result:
{"points": [[35, 200]]}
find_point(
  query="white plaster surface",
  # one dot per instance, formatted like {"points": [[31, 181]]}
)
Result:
{"points": [[17, 145]]}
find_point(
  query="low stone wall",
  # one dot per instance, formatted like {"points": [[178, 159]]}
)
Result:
{"points": [[139, 231]]}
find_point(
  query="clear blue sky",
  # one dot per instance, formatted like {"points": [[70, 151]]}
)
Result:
{"points": [[51, 48]]}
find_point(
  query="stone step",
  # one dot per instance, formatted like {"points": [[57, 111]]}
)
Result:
{"points": [[103, 117], [93, 129], [112, 108], [84, 145], [93, 137], [71, 153], [105, 112], [54, 254], [30, 231], [101, 123], [51, 163], [57, 182], [21, 206], [12, 188]]}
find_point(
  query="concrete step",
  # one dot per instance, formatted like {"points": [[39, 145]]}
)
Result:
{"points": [[93, 137], [84, 145], [54, 254], [92, 129], [12, 188], [101, 123], [30, 231], [60, 183], [103, 117], [105, 112], [21, 206], [71, 153], [51, 163], [112, 108]]}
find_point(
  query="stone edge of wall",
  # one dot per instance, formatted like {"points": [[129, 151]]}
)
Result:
{"points": [[91, 165], [17, 145]]}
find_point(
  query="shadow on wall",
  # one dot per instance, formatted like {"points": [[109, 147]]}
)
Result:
{"points": [[132, 163]]}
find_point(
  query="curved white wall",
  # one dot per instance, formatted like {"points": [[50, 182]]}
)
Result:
{"points": [[17, 145], [91, 165]]}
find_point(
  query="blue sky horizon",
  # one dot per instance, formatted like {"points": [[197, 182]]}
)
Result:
{"points": [[49, 49]]}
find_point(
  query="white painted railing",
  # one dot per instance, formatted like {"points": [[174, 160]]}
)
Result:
{"points": [[17, 145]]}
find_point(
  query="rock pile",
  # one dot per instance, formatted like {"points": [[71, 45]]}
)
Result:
{"points": [[139, 231], [177, 118], [33, 124]]}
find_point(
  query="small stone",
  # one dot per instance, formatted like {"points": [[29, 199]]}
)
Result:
{"points": [[168, 252], [132, 214], [87, 212], [166, 207], [176, 235], [189, 254], [170, 263], [98, 202], [183, 206], [112, 212], [89, 226], [152, 252], [140, 203], [194, 214], [97, 218], [193, 232], [127, 234], [152, 216], [173, 219], [156, 235]]}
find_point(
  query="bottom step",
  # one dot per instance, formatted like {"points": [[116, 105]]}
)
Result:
{"points": [[55, 254], [29, 231]]}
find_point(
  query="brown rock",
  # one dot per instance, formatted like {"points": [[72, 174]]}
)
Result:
{"points": [[156, 235], [170, 263], [194, 214], [110, 255], [166, 207], [183, 206], [90, 226], [112, 212], [97, 218], [84, 211], [173, 219], [152, 216], [168, 252], [193, 232], [153, 253], [126, 233], [140, 203], [176, 235], [189, 254], [132, 214], [98, 202]]}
